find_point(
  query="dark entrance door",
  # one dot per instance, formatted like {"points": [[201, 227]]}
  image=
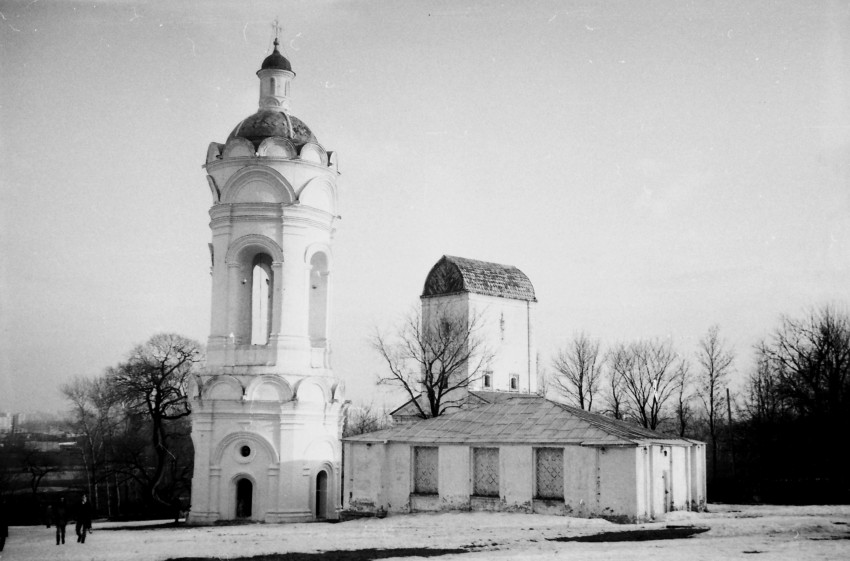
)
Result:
{"points": [[322, 495], [244, 494]]}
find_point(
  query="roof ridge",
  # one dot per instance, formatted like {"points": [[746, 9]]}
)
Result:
{"points": [[610, 425]]}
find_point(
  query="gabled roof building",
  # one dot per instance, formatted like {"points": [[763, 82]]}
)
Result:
{"points": [[509, 448]]}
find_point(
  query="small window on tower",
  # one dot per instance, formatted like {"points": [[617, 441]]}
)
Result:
{"points": [[488, 381], [514, 382]]}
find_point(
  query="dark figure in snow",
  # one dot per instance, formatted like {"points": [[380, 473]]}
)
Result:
{"points": [[4, 524], [59, 518], [83, 519]]}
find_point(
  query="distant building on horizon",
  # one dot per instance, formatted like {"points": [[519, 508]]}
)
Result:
{"points": [[10, 422]]}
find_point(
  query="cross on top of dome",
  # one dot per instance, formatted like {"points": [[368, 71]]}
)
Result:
{"points": [[276, 61]]}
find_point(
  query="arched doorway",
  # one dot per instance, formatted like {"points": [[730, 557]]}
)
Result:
{"points": [[244, 496], [322, 495]]}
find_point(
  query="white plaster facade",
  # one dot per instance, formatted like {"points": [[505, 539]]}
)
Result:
{"points": [[623, 479], [267, 410], [504, 326]]}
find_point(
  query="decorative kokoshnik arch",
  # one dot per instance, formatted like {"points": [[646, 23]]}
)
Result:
{"points": [[251, 437], [265, 184]]}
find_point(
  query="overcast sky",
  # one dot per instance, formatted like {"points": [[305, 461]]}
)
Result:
{"points": [[653, 167]]}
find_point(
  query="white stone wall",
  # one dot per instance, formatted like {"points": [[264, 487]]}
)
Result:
{"points": [[504, 327], [618, 485], [516, 479], [290, 444], [580, 480], [698, 477], [454, 481], [615, 482]]}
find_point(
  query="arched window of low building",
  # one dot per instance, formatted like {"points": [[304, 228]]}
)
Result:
{"points": [[262, 290]]}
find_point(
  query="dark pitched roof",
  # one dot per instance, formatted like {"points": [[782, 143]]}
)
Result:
{"points": [[509, 418], [457, 274]]}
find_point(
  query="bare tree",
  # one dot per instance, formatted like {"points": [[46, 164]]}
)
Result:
{"points": [[763, 402], [650, 382], [577, 374], [365, 418], [715, 361], [431, 360], [152, 384], [620, 361], [797, 397], [38, 464], [93, 418], [811, 359], [684, 397]]}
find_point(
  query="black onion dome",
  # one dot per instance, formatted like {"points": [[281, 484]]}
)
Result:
{"points": [[265, 123], [276, 61]]}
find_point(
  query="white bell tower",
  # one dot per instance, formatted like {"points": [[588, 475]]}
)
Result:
{"points": [[267, 410]]}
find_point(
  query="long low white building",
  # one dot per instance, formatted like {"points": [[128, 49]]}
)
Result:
{"points": [[522, 452]]}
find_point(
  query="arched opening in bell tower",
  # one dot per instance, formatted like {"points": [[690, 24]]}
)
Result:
{"points": [[318, 300], [262, 285]]}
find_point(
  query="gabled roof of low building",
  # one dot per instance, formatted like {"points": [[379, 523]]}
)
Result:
{"points": [[409, 409], [510, 418], [451, 275]]}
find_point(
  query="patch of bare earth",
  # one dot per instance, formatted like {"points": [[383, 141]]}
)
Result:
{"points": [[352, 555]]}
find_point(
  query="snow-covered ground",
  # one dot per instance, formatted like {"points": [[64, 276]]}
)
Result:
{"points": [[755, 533]]}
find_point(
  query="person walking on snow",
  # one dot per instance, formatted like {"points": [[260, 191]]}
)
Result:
{"points": [[83, 519], [59, 518]]}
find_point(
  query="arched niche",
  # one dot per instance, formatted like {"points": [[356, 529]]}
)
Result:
{"points": [[319, 287], [269, 388], [313, 153], [262, 291], [277, 147], [257, 184], [309, 391], [257, 192], [238, 439], [222, 388], [270, 102], [320, 194], [239, 148]]}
